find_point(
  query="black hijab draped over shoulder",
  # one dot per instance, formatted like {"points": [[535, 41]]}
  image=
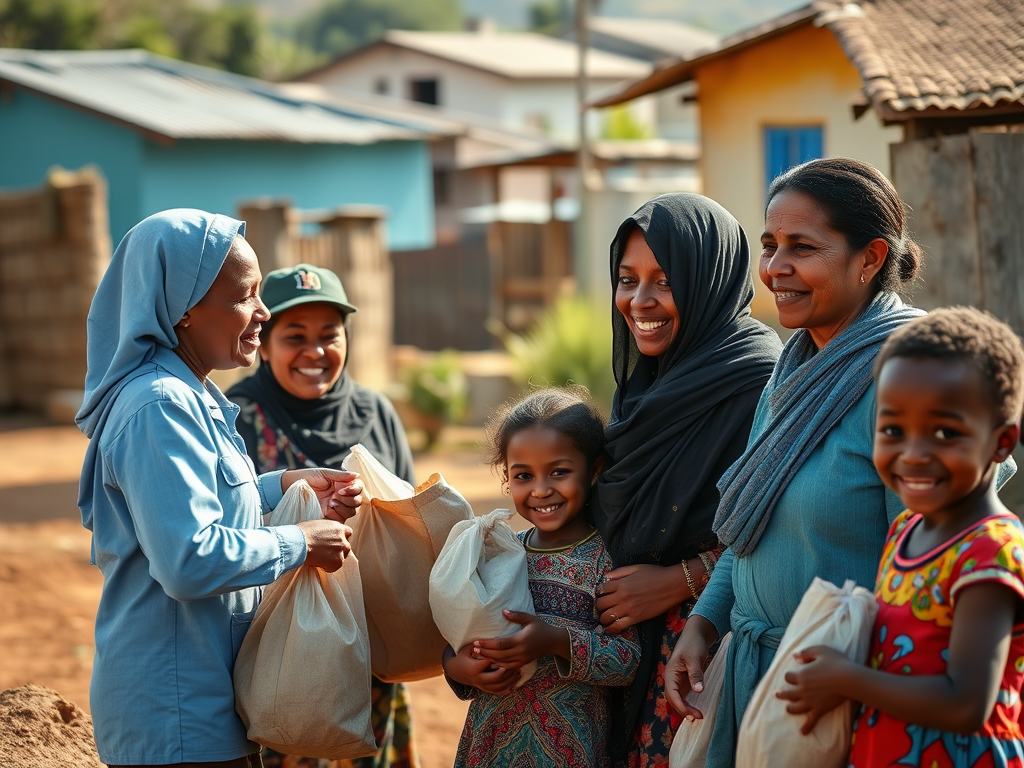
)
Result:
{"points": [[677, 420]]}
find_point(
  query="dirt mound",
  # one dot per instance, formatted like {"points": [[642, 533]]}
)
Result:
{"points": [[39, 729]]}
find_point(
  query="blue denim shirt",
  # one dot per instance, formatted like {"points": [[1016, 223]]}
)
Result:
{"points": [[177, 534]]}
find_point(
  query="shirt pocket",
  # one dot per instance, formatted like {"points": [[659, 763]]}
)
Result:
{"points": [[235, 471], [240, 623]]}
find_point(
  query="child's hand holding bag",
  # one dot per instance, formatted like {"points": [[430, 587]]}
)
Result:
{"points": [[480, 573], [769, 736]]}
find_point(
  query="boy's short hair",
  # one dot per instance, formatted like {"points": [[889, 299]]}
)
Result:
{"points": [[971, 335]]}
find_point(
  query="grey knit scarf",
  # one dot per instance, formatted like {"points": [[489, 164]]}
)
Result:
{"points": [[809, 393]]}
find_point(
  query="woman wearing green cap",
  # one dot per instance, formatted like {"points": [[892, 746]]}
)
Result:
{"points": [[302, 409]]}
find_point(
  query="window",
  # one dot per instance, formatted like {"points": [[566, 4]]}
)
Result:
{"points": [[787, 146], [424, 91], [381, 86]]}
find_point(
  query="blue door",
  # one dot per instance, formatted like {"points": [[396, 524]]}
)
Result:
{"points": [[787, 146]]}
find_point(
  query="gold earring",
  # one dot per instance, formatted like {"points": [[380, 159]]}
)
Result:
{"points": [[862, 277]]}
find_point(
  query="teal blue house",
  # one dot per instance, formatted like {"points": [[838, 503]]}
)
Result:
{"points": [[169, 134]]}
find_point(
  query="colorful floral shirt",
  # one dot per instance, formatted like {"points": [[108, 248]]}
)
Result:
{"points": [[559, 717], [916, 600]]}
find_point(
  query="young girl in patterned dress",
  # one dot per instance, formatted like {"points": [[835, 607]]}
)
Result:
{"points": [[947, 656], [548, 450]]}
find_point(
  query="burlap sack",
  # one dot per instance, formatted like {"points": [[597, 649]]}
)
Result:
{"points": [[302, 676], [399, 532], [770, 736], [480, 572], [690, 744]]}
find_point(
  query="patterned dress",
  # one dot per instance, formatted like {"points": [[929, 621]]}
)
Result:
{"points": [[559, 717], [652, 739], [916, 599]]}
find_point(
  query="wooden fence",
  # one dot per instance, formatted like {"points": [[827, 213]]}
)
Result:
{"points": [[54, 247], [351, 242], [444, 296], [967, 197]]}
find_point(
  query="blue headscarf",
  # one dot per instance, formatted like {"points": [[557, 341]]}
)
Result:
{"points": [[162, 268]]}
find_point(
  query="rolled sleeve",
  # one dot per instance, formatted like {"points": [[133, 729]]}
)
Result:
{"points": [[271, 492]]}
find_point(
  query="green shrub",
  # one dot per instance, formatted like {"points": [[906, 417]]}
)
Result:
{"points": [[438, 387], [569, 343]]}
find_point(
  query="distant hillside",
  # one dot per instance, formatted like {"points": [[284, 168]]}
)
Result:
{"points": [[722, 16]]}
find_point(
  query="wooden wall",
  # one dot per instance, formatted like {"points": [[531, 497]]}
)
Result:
{"points": [[966, 193], [967, 196]]}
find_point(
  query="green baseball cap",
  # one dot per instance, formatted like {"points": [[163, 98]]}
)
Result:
{"points": [[302, 284]]}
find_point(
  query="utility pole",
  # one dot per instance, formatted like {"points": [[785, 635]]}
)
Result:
{"points": [[584, 276]]}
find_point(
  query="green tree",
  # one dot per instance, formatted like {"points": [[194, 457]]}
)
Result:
{"points": [[343, 25], [48, 24], [621, 125]]}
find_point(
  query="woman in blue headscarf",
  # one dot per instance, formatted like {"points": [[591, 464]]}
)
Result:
{"points": [[172, 500]]}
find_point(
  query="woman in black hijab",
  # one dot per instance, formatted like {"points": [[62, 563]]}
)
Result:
{"points": [[689, 364], [302, 409]]}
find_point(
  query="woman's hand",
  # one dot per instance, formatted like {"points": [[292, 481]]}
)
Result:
{"points": [[537, 638], [327, 543], [339, 492], [463, 667], [635, 593], [685, 669], [814, 684]]}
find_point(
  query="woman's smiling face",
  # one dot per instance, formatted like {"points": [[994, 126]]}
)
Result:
{"points": [[810, 268], [306, 349], [644, 298], [221, 332]]}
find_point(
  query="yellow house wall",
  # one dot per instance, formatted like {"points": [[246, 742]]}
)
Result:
{"points": [[800, 78]]}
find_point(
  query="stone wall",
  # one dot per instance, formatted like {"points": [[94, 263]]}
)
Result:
{"points": [[54, 247]]}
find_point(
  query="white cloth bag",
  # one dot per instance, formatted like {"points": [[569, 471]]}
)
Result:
{"points": [[302, 676], [398, 534], [770, 736], [690, 744], [480, 572]]}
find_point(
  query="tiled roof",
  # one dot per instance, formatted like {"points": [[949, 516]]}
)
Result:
{"points": [[921, 54], [170, 100]]}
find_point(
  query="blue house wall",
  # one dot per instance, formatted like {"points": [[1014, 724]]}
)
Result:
{"points": [[37, 133], [217, 175], [143, 176]]}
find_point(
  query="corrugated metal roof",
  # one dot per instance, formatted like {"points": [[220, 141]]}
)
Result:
{"points": [[520, 55], [671, 37], [171, 100]]}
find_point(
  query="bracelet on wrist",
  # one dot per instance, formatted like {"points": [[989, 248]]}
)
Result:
{"points": [[709, 563], [689, 580]]}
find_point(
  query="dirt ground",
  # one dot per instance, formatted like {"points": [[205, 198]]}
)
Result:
{"points": [[49, 591]]}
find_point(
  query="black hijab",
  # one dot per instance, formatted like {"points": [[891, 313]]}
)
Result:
{"points": [[680, 420], [671, 421]]}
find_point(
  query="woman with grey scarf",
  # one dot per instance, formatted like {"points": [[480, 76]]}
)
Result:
{"points": [[804, 500]]}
